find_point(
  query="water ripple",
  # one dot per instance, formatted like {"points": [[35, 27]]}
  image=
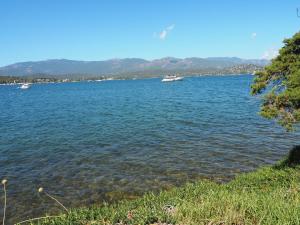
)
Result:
{"points": [[90, 142]]}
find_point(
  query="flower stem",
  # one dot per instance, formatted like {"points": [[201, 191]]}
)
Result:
{"points": [[4, 209], [57, 201]]}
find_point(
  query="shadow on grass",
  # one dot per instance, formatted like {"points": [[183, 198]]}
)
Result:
{"points": [[292, 160]]}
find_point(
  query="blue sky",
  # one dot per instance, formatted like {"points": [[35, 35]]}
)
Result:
{"points": [[104, 29]]}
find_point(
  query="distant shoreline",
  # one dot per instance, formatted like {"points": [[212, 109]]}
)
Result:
{"points": [[13, 80]]}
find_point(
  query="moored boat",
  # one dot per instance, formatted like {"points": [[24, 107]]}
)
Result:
{"points": [[25, 86], [171, 78]]}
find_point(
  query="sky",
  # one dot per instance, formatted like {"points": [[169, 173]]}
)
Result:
{"points": [[105, 29]]}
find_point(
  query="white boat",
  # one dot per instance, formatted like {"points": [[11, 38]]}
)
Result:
{"points": [[25, 86], [171, 78]]}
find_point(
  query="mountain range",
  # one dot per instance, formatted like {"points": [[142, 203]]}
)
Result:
{"points": [[61, 67]]}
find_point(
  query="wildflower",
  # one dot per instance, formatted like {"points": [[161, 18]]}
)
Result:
{"points": [[40, 190], [4, 181]]}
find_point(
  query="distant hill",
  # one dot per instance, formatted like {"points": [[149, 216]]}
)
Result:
{"points": [[115, 67]]}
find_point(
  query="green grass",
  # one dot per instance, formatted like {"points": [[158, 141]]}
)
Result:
{"points": [[270, 195]]}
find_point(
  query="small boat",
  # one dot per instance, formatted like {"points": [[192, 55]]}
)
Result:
{"points": [[25, 86], [171, 78]]}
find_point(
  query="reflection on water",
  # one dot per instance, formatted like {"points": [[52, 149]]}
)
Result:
{"points": [[89, 142]]}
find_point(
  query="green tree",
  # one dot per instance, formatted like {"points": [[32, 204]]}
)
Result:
{"points": [[280, 83]]}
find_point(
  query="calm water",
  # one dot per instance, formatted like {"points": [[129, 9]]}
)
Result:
{"points": [[89, 142]]}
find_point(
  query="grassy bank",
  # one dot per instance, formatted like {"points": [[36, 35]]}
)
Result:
{"points": [[270, 195]]}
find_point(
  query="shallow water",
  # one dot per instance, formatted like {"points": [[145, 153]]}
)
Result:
{"points": [[89, 142]]}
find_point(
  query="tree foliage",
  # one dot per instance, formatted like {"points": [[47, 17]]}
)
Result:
{"points": [[280, 83]]}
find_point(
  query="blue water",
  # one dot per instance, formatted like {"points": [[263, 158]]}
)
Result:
{"points": [[90, 142]]}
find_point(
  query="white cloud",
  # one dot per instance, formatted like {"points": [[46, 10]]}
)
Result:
{"points": [[270, 53], [171, 27], [253, 35], [164, 33]]}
